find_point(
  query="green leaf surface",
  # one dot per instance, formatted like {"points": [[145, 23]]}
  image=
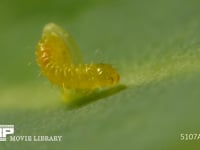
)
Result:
{"points": [[155, 46]]}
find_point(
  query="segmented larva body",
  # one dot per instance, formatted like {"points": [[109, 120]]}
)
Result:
{"points": [[59, 60]]}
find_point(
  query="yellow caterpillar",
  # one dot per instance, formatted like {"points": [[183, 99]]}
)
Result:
{"points": [[60, 61]]}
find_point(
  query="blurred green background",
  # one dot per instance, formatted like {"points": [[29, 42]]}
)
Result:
{"points": [[155, 45]]}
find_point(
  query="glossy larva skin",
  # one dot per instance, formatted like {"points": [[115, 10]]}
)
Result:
{"points": [[81, 76], [55, 59]]}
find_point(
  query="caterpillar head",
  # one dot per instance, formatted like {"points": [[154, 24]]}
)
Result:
{"points": [[107, 75]]}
